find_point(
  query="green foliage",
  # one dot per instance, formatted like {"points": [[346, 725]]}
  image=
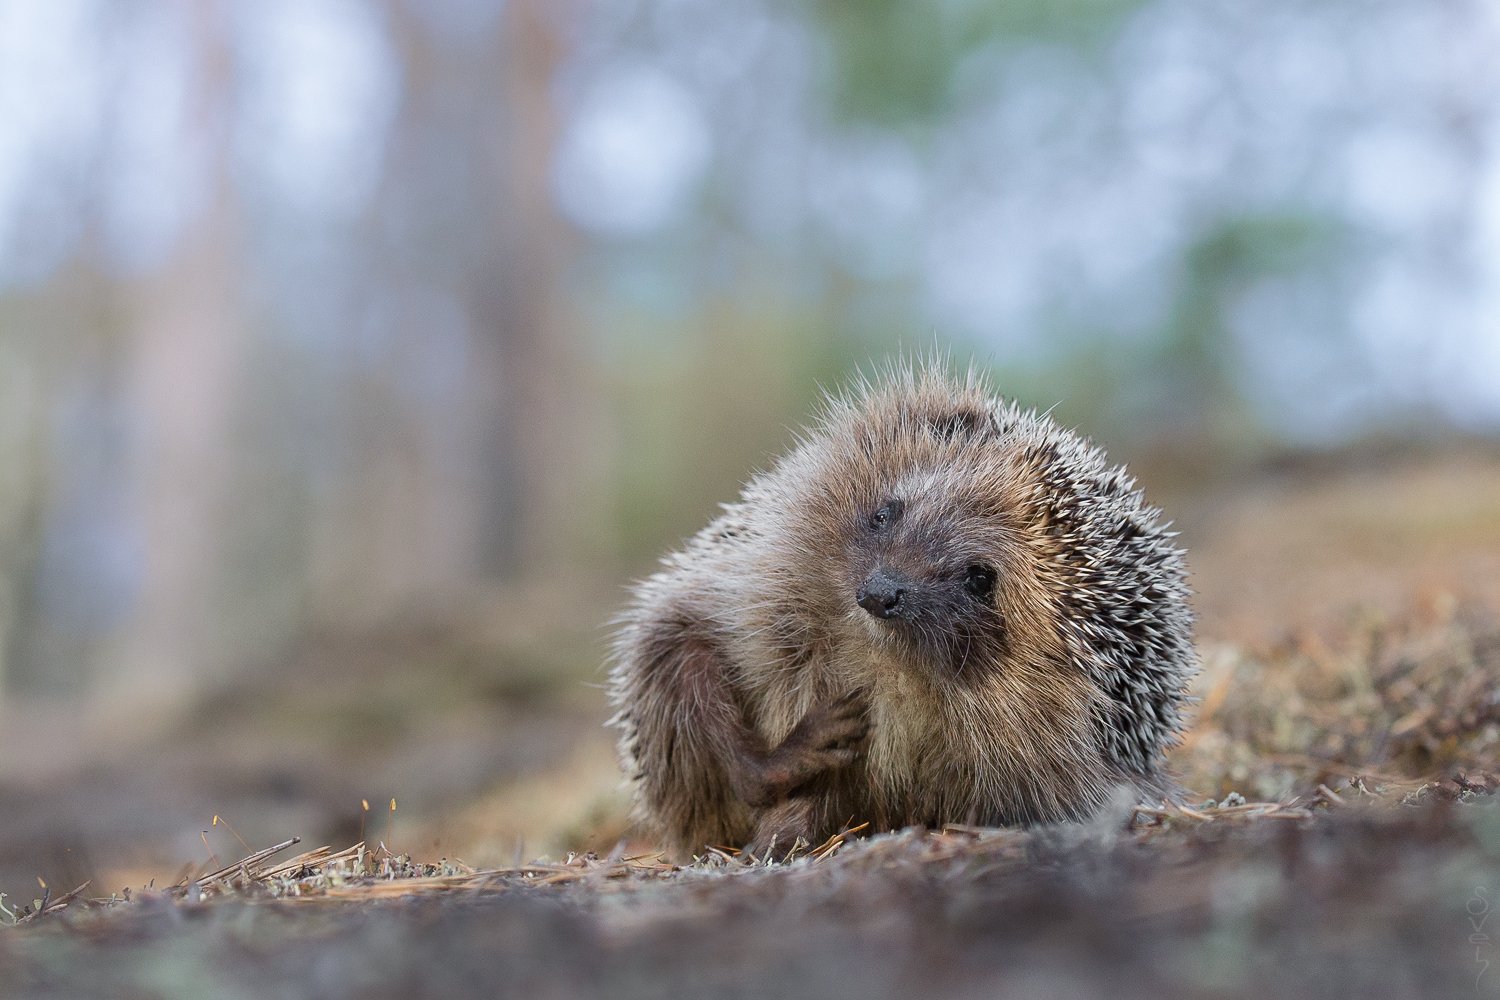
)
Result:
{"points": [[698, 409], [1195, 352], [893, 61], [1187, 372]]}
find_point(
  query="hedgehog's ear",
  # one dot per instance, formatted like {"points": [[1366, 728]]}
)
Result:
{"points": [[965, 423]]}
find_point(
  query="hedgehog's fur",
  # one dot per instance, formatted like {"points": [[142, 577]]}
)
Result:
{"points": [[758, 700]]}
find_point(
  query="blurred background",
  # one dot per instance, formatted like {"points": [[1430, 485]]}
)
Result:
{"points": [[354, 355]]}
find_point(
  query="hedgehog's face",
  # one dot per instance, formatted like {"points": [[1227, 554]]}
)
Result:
{"points": [[922, 574]]}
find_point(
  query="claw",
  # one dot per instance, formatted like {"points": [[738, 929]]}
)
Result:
{"points": [[828, 738]]}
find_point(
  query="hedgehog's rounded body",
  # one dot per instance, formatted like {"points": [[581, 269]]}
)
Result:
{"points": [[935, 609]]}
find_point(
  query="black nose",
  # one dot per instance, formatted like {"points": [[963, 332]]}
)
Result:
{"points": [[881, 594]]}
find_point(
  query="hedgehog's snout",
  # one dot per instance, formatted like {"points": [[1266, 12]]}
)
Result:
{"points": [[882, 594]]}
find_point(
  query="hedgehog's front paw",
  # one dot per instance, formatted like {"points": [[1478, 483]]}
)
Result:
{"points": [[834, 733], [828, 738]]}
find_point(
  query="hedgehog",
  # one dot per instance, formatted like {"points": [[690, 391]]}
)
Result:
{"points": [[937, 608]]}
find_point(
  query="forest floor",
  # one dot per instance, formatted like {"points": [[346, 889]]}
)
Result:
{"points": [[1344, 837]]}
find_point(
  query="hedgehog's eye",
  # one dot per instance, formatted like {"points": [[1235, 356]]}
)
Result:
{"points": [[979, 581], [885, 515]]}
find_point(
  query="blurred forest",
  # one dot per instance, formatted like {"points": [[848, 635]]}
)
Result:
{"points": [[357, 353]]}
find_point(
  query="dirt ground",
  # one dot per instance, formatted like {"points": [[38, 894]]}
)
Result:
{"points": [[1350, 627]]}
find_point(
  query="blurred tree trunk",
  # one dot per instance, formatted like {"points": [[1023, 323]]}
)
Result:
{"points": [[183, 376], [490, 483], [22, 493], [531, 374]]}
